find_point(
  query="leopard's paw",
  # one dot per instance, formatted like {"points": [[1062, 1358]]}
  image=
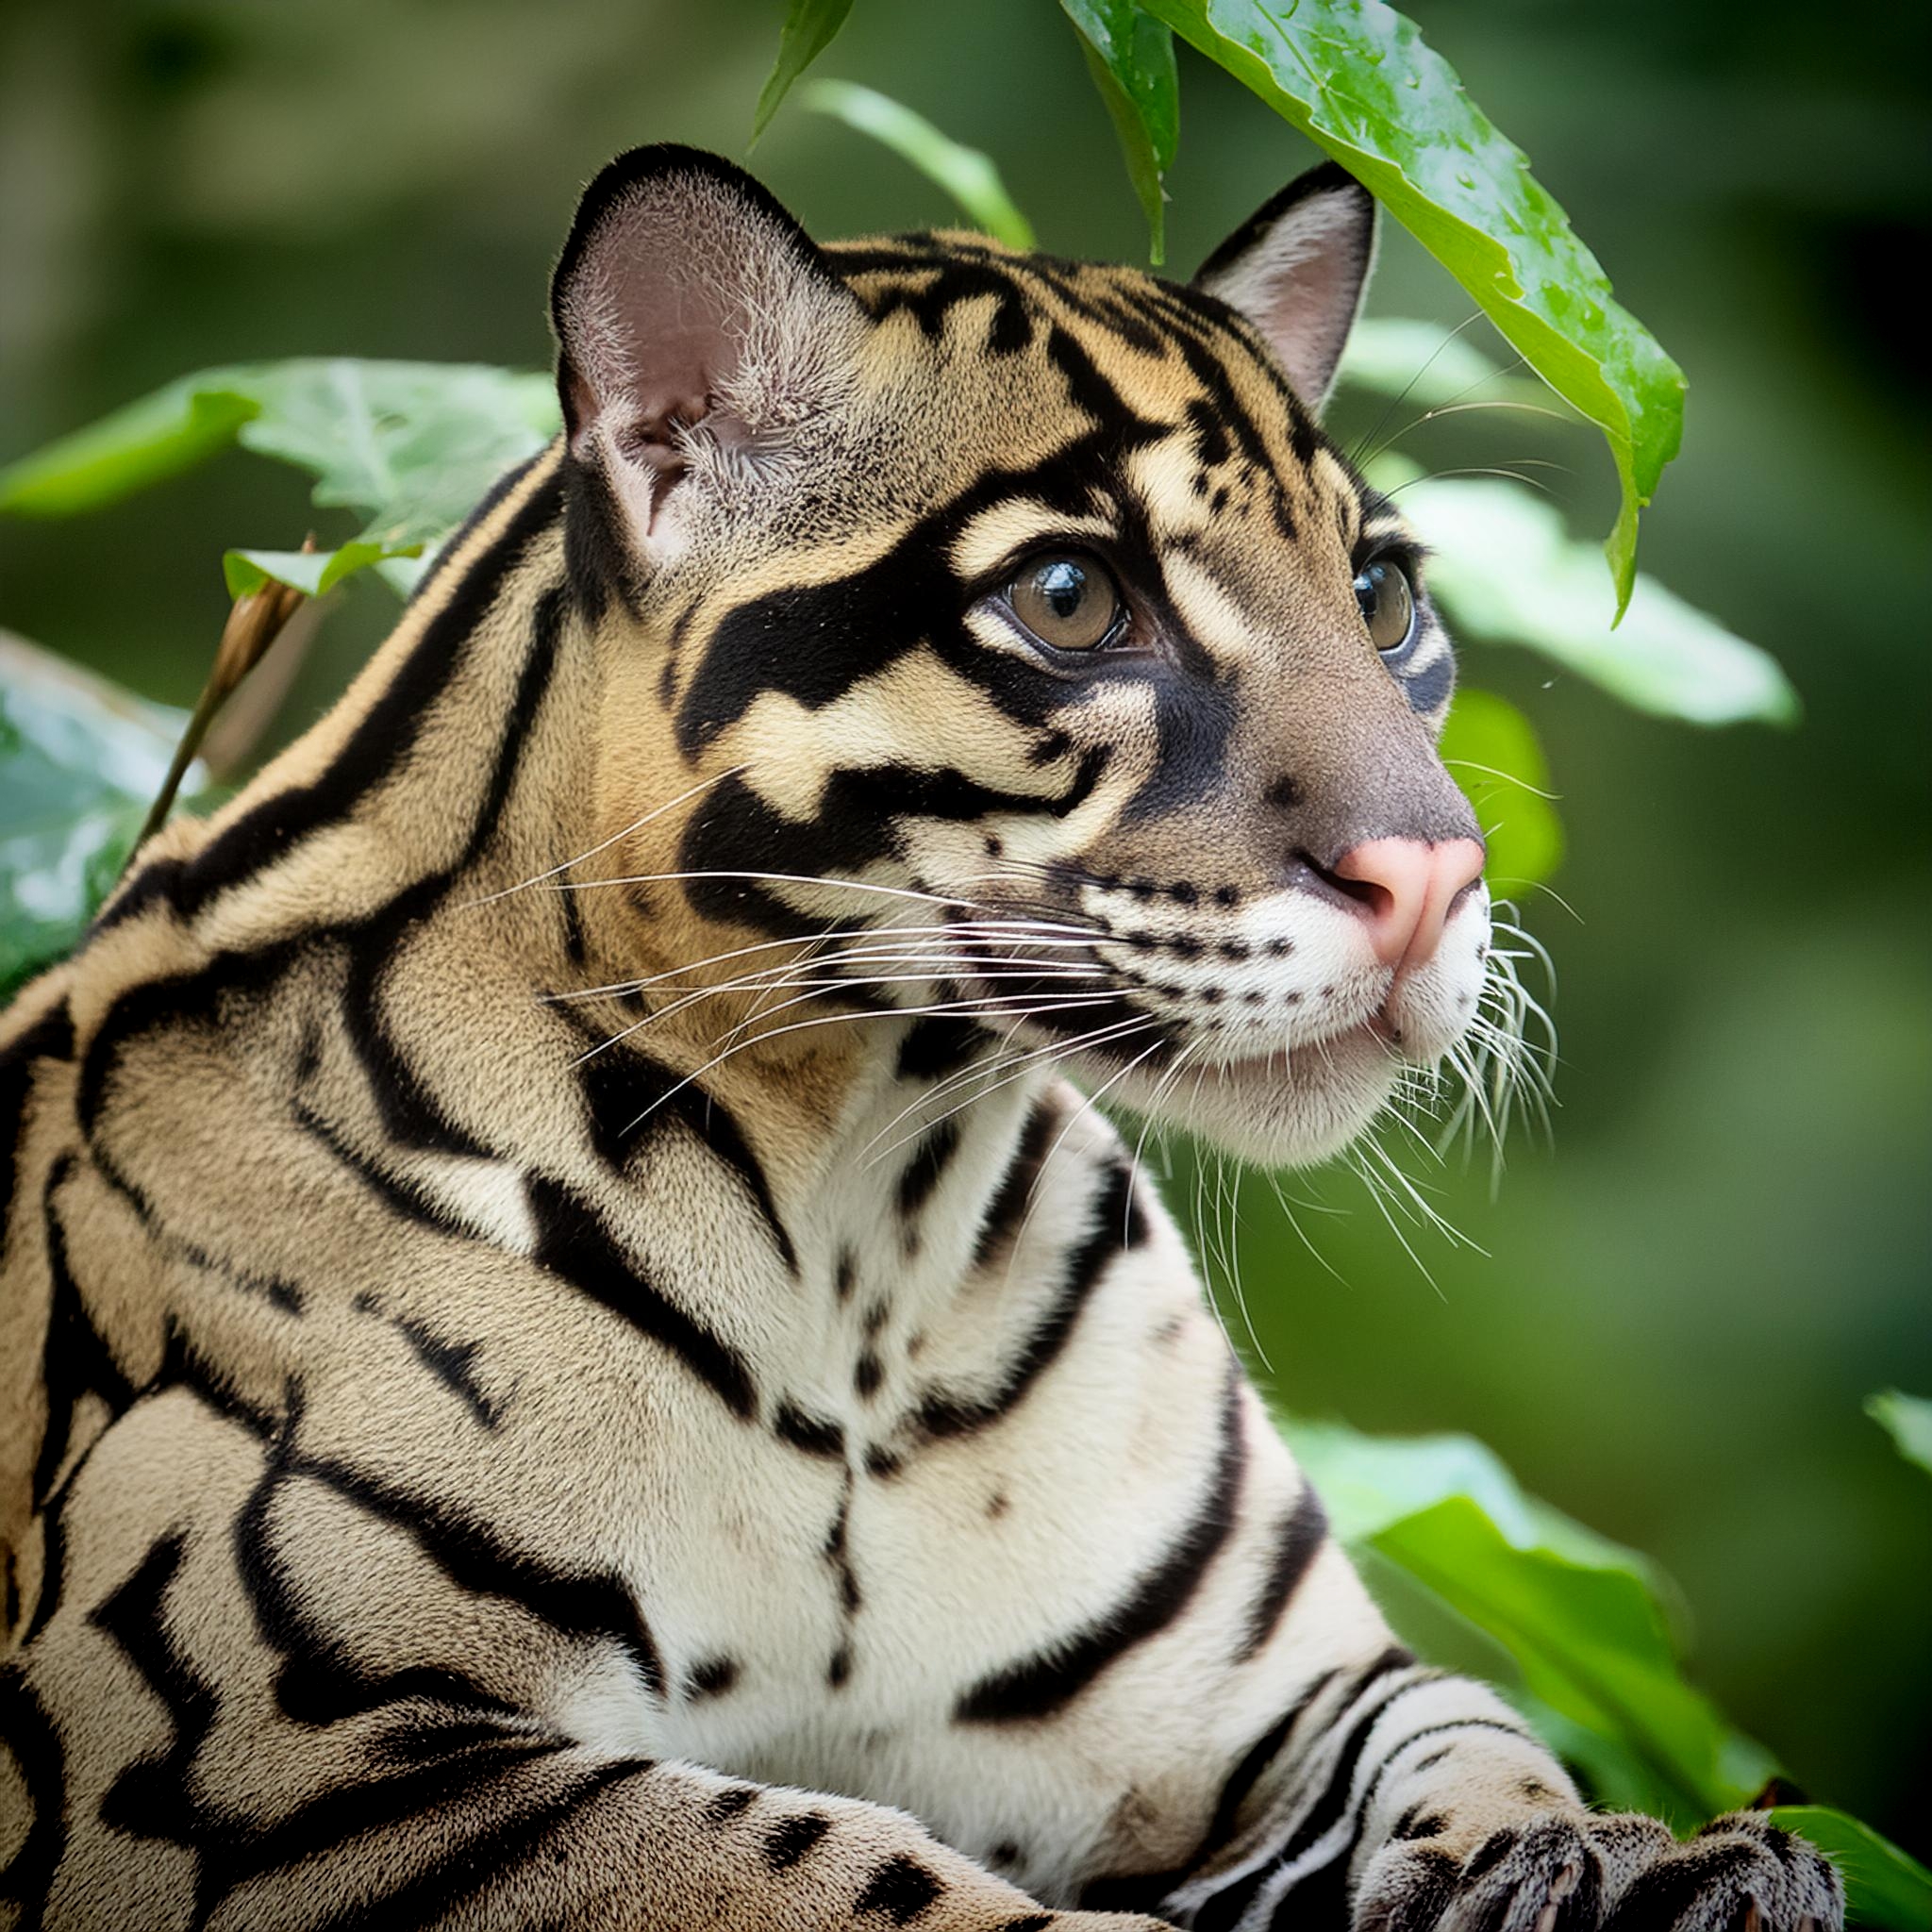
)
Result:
{"points": [[1550, 1873], [1574, 1872], [1739, 1873]]}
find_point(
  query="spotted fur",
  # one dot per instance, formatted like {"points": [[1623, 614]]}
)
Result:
{"points": [[571, 1355]]}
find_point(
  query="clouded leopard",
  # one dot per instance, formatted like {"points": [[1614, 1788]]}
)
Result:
{"points": [[572, 1357]]}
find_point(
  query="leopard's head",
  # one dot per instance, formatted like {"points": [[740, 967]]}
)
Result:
{"points": [[1007, 628]]}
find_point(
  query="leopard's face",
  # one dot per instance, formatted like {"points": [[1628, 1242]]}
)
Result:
{"points": [[1037, 654]]}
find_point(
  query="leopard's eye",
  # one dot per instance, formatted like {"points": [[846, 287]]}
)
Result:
{"points": [[1387, 602], [1067, 599]]}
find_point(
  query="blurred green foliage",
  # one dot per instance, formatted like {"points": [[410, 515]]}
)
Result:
{"points": [[1507, 570], [1908, 1420], [968, 175], [1680, 1313], [1492, 751], [408, 446], [81, 761]]}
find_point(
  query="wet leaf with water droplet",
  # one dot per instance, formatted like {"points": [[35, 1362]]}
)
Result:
{"points": [[1359, 79]]}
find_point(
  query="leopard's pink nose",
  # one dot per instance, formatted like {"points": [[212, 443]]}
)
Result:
{"points": [[1406, 890]]}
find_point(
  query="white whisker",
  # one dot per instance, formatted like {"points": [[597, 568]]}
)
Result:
{"points": [[657, 811], [1007, 1073], [786, 878]]}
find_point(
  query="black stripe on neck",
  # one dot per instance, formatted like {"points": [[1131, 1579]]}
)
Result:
{"points": [[380, 743]]}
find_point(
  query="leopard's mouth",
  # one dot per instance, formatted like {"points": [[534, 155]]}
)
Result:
{"points": [[1281, 1053]]}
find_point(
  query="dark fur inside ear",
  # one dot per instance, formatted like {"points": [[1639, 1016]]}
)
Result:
{"points": [[1296, 269], [690, 311]]}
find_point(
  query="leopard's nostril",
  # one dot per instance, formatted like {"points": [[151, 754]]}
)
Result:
{"points": [[1406, 890], [1370, 894]]}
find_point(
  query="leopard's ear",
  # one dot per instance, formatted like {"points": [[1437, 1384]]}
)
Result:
{"points": [[1296, 269], [692, 316]]}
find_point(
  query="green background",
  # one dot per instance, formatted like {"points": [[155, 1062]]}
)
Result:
{"points": [[1686, 1298]]}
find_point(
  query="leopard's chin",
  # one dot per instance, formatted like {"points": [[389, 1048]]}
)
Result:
{"points": [[1288, 1107]]}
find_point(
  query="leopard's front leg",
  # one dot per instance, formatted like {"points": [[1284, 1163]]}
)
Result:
{"points": [[1399, 1800], [1469, 1827], [218, 1721]]}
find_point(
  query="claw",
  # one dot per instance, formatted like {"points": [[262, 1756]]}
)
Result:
{"points": [[1561, 1886]]}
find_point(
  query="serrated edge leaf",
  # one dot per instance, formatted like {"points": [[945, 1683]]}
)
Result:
{"points": [[965, 173], [186, 421], [811, 27]]}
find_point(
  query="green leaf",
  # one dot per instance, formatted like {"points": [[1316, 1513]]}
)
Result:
{"points": [[965, 173], [146, 443], [313, 571], [1130, 56], [1417, 361], [1506, 569], [1908, 1420], [1357, 78], [1587, 1636], [408, 446], [1583, 1620], [81, 761], [809, 30], [1492, 751], [1580, 1616], [1885, 1887]]}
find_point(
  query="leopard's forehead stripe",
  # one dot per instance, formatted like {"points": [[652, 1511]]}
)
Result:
{"points": [[1101, 322]]}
